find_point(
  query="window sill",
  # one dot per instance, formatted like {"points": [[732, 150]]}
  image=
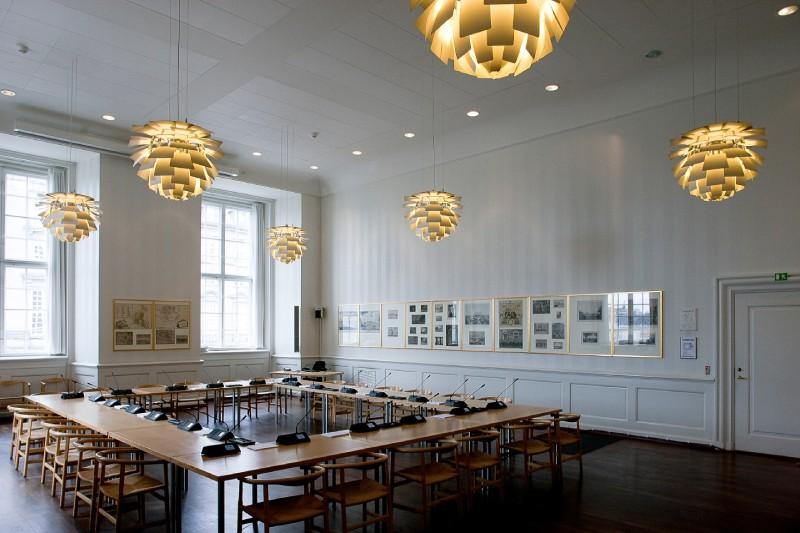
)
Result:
{"points": [[234, 351], [21, 357]]}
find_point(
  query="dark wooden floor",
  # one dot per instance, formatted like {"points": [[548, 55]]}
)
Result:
{"points": [[629, 485]]}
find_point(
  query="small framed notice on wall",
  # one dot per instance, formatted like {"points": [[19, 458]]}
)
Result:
{"points": [[688, 347]]}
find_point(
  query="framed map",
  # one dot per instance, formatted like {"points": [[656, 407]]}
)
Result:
{"points": [[172, 325], [348, 324], [133, 325]]}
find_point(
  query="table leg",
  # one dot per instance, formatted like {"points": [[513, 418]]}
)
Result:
{"points": [[308, 400], [221, 506], [388, 412], [359, 409], [176, 496], [325, 405], [559, 464]]}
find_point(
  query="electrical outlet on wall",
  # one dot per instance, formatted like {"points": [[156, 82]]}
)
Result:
{"points": [[708, 370]]}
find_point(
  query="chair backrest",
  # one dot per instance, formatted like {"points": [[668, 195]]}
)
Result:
{"points": [[427, 452], [14, 389], [366, 463], [306, 480], [319, 366], [485, 441], [52, 384]]}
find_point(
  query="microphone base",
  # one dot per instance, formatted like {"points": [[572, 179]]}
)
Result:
{"points": [[113, 402], [460, 411], [71, 395], [364, 427], [214, 385], [155, 416], [455, 403], [377, 394], [496, 405], [190, 426], [293, 438], [258, 382], [97, 398], [220, 450], [348, 390], [134, 409], [412, 419], [220, 435], [418, 399], [121, 392], [175, 388]]}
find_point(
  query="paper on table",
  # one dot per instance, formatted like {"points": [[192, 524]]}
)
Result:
{"points": [[340, 433], [442, 415], [264, 445]]}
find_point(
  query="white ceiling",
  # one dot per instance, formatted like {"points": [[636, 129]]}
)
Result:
{"points": [[356, 71]]}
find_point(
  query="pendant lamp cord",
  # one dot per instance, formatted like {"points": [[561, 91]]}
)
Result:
{"points": [[691, 73], [433, 124], [716, 54], [178, 91]]}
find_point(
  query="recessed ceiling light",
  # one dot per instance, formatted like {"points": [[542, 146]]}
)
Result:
{"points": [[654, 53], [314, 167], [409, 135], [357, 152], [551, 88], [472, 114], [257, 154], [8, 92], [787, 10], [109, 117]]}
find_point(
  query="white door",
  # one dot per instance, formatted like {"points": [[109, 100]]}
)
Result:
{"points": [[766, 365]]}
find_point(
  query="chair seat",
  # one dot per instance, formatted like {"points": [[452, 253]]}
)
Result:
{"points": [[136, 484], [357, 492], [87, 473], [530, 447], [36, 434], [477, 461], [429, 474], [71, 458], [565, 439], [287, 510]]}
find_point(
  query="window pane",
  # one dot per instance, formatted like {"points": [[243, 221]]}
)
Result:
{"points": [[238, 241], [25, 311], [210, 313], [238, 315], [26, 239]]}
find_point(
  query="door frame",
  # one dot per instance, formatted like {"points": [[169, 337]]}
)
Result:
{"points": [[727, 288]]}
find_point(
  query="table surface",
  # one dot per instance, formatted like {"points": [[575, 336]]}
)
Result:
{"points": [[308, 373], [167, 442]]}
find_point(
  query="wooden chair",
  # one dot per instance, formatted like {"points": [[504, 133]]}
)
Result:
{"points": [[268, 395], [361, 491], [30, 441], [193, 401], [303, 507], [433, 468], [479, 458], [569, 435], [13, 391], [530, 439], [66, 458], [85, 488], [17, 409], [53, 384], [50, 443], [119, 477], [156, 401]]}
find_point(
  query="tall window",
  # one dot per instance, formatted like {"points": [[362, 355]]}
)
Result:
{"points": [[233, 302], [23, 264]]}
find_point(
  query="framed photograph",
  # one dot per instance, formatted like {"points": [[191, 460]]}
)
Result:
{"points": [[447, 328], [133, 325], [590, 325], [172, 324], [511, 324], [393, 325], [348, 325], [549, 324], [418, 321], [637, 324], [477, 325], [369, 325]]}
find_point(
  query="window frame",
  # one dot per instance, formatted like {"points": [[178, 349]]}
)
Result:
{"points": [[7, 167], [261, 288]]}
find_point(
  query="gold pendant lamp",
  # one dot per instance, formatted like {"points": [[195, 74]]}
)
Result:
{"points": [[718, 160], [175, 157], [286, 242], [69, 216], [492, 38]]}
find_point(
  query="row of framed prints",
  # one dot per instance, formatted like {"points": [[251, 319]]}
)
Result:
{"points": [[152, 325], [618, 323]]}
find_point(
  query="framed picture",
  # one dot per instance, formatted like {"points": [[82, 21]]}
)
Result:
{"points": [[637, 323], [418, 325], [549, 324], [511, 324], [447, 325], [392, 325], [172, 324], [478, 325], [369, 325], [348, 325], [590, 324], [133, 325]]}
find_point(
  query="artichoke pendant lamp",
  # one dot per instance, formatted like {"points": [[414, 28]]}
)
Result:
{"points": [[718, 160], [286, 242], [492, 38], [175, 157], [69, 216], [433, 215]]}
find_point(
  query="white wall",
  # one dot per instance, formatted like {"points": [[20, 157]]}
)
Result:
{"points": [[592, 209]]}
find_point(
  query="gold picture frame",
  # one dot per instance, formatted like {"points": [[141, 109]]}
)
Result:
{"points": [[132, 325]]}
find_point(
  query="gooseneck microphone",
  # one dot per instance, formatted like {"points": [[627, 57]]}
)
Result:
{"points": [[457, 403], [498, 403], [117, 391], [473, 393], [377, 393], [298, 437], [211, 383], [175, 386], [418, 397]]}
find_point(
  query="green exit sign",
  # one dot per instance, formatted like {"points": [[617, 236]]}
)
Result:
{"points": [[781, 276]]}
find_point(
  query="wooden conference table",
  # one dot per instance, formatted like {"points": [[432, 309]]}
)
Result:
{"points": [[312, 375], [182, 449]]}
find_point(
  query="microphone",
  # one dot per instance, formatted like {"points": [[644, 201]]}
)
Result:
{"points": [[97, 396], [418, 397], [297, 437], [69, 394], [497, 403], [116, 391], [175, 386], [476, 390], [376, 393], [211, 383], [255, 380], [457, 403]]}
